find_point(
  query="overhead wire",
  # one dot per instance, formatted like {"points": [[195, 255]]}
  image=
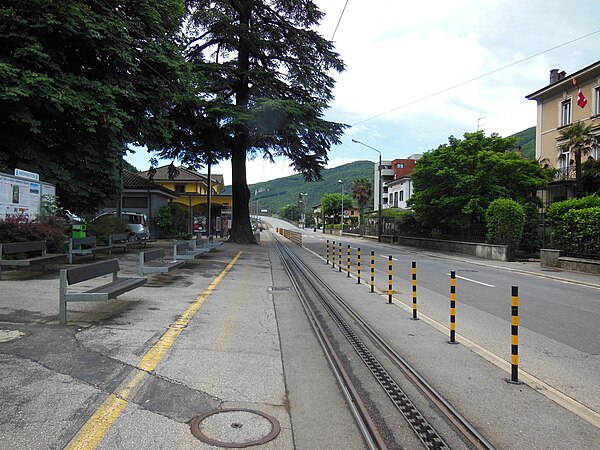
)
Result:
{"points": [[476, 78], [339, 20]]}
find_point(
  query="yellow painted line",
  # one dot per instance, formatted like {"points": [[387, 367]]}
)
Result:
{"points": [[94, 430]]}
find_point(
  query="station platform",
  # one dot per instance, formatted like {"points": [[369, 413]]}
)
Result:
{"points": [[219, 354]]}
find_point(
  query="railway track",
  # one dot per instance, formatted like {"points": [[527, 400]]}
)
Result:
{"points": [[325, 307]]}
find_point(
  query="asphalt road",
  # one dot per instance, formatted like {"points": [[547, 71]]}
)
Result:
{"points": [[559, 320]]}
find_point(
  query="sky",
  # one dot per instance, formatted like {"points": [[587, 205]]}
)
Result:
{"points": [[419, 72]]}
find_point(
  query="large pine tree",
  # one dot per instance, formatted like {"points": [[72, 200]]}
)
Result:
{"points": [[267, 83]]}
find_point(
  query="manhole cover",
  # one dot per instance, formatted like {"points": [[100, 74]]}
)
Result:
{"points": [[235, 428], [10, 335]]}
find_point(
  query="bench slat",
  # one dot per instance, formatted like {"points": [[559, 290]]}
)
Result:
{"points": [[12, 248], [119, 287], [89, 271], [154, 254]]}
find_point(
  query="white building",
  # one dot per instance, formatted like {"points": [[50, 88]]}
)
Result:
{"points": [[399, 191], [387, 175]]}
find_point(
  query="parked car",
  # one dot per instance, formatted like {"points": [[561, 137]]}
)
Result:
{"points": [[136, 222]]}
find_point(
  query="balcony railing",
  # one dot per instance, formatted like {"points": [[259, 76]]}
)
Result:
{"points": [[564, 173]]}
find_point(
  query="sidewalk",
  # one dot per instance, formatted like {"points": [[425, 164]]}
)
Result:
{"points": [[223, 347]]}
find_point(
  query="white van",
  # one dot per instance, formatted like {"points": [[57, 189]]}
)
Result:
{"points": [[136, 222]]}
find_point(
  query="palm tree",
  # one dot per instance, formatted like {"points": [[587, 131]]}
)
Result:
{"points": [[362, 191], [580, 139]]}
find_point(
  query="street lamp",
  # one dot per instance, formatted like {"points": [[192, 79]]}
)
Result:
{"points": [[342, 183], [304, 204], [379, 217]]}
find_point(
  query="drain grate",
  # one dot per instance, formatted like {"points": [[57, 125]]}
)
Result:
{"points": [[235, 428]]}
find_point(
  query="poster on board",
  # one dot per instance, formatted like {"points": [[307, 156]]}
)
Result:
{"points": [[22, 196]]}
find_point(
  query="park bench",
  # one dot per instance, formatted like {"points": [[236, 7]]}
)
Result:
{"points": [[118, 285], [121, 241], [85, 246], [34, 253], [183, 251], [162, 267], [208, 243]]}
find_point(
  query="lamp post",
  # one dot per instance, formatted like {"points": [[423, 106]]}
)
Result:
{"points": [[380, 186], [342, 183], [304, 208]]}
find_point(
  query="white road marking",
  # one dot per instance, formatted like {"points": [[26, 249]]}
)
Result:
{"points": [[387, 257], [474, 281]]}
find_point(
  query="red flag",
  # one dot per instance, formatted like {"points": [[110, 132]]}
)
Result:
{"points": [[581, 100]]}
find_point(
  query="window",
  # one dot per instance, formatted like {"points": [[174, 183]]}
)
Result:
{"points": [[597, 100], [180, 188], [565, 113], [399, 165], [401, 197], [135, 202]]}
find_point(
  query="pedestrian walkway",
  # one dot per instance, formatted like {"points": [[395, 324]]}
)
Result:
{"points": [[216, 353]]}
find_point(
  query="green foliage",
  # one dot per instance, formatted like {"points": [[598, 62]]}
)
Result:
{"points": [[567, 221], [590, 176], [104, 226], [531, 239], [526, 140], [578, 231], [171, 220], [331, 206], [21, 229], [275, 194], [289, 212], [454, 184], [362, 192], [80, 79], [395, 213], [504, 222], [581, 139]]}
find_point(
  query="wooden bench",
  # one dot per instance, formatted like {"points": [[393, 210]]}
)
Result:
{"points": [[121, 241], [35, 252], [183, 251], [107, 291], [162, 267], [85, 246]]}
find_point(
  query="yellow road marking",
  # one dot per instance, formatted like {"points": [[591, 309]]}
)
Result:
{"points": [[94, 430]]}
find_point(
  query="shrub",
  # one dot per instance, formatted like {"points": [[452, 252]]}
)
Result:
{"points": [[557, 210], [171, 220], [103, 226], [504, 222], [50, 229], [531, 229], [578, 231]]}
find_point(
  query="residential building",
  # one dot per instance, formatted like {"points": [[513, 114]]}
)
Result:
{"points": [[191, 188], [395, 176], [560, 104], [141, 195], [399, 191], [387, 175]]}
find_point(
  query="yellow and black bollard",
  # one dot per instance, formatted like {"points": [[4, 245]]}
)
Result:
{"points": [[514, 379], [333, 254], [358, 264], [390, 279], [414, 290], [452, 307], [327, 251], [372, 271], [340, 259], [348, 263]]}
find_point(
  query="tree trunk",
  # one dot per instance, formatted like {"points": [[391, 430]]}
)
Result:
{"points": [[578, 181], [241, 229]]}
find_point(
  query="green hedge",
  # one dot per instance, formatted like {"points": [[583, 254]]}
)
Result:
{"points": [[504, 222], [578, 231], [574, 224], [50, 229]]}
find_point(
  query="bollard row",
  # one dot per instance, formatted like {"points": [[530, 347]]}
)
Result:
{"points": [[514, 379]]}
